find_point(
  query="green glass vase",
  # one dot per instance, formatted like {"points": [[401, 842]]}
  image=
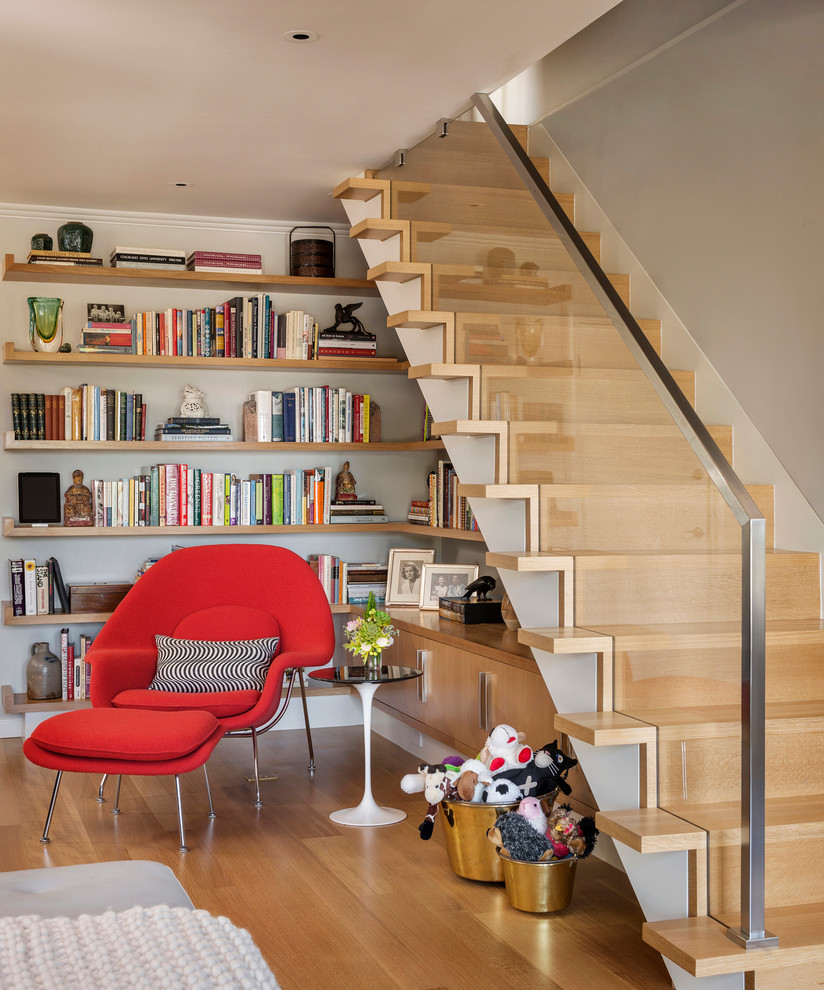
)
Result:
{"points": [[75, 236], [45, 323]]}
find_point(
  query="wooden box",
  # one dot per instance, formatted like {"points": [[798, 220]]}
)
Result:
{"points": [[96, 597]]}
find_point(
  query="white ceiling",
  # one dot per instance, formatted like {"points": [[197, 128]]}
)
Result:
{"points": [[106, 103]]}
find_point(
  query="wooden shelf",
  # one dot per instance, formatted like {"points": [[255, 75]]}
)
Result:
{"points": [[10, 528], [64, 618], [9, 443], [382, 365], [19, 704], [16, 271]]}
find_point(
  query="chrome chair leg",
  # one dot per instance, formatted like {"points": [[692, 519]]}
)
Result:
{"points": [[258, 802], [183, 847], [116, 808], [100, 798], [209, 793], [45, 837], [311, 767]]}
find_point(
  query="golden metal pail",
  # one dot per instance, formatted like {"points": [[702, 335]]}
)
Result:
{"points": [[471, 854], [539, 887]]}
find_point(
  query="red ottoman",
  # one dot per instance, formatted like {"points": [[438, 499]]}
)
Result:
{"points": [[123, 741]]}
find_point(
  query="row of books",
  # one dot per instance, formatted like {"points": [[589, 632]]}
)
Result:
{"points": [[249, 328], [76, 673], [179, 495], [309, 414], [349, 583], [37, 589], [83, 412], [444, 507]]}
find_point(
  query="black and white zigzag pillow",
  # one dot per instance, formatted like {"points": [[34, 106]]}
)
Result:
{"points": [[191, 665]]}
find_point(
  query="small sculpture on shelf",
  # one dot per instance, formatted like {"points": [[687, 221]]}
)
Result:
{"points": [[194, 402], [77, 503], [344, 315], [345, 485], [484, 584]]}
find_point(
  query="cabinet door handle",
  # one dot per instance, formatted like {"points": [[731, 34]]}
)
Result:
{"points": [[423, 657], [485, 700]]}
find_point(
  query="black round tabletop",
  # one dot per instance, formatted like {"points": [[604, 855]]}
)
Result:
{"points": [[364, 675]]}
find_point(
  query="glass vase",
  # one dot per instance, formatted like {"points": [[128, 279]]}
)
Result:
{"points": [[45, 323], [372, 663]]}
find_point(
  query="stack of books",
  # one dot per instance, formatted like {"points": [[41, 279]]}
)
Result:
{"points": [[420, 512], [225, 261], [358, 510], [107, 337], [63, 258], [185, 428], [169, 259], [361, 579], [346, 343]]}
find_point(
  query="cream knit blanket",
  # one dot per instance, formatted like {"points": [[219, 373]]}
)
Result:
{"points": [[139, 949]]}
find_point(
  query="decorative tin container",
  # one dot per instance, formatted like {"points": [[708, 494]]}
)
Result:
{"points": [[311, 257], [539, 887]]}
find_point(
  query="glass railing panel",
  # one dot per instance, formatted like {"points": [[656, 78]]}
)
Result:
{"points": [[658, 549]]}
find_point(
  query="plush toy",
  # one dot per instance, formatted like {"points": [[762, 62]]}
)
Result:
{"points": [[556, 763], [436, 781], [504, 749], [568, 836], [533, 811], [501, 791], [473, 779], [518, 839]]}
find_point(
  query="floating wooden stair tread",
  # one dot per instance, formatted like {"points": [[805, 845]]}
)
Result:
{"points": [[470, 428], [606, 728], [651, 830], [444, 372], [564, 639], [398, 271], [780, 814], [420, 319], [360, 188], [527, 560], [701, 945], [723, 720], [379, 230]]}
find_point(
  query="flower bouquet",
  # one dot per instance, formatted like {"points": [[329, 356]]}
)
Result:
{"points": [[369, 634]]}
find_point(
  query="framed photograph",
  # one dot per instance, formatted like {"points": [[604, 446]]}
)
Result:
{"points": [[405, 575], [445, 581], [106, 313]]}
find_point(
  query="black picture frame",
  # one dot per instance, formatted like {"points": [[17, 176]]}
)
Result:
{"points": [[38, 498]]}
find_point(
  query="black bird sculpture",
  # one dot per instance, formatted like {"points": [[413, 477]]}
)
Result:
{"points": [[482, 586]]}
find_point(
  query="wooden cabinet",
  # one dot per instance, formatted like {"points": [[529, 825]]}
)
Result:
{"points": [[474, 678]]}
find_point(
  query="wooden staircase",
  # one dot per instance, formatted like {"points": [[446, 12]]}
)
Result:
{"points": [[619, 555]]}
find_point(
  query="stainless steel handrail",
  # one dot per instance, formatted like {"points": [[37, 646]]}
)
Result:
{"points": [[753, 531]]}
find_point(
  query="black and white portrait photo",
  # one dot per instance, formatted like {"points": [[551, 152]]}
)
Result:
{"points": [[405, 575]]}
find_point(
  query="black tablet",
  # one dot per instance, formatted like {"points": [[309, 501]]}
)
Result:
{"points": [[38, 497]]}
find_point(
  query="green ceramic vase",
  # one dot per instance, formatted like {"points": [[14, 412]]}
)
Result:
{"points": [[75, 236], [45, 323]]}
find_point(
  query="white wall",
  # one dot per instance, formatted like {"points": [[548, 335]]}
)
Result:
{"points": [[392, 477], [706, 159]]}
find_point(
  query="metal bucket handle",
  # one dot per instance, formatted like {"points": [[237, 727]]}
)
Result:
{"points": [[320, 227]]}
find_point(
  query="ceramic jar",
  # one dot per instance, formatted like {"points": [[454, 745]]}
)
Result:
{"points": [[44, 678], [75, 236]]}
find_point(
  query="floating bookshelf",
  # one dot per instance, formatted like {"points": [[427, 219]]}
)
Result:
{"points": [[16, 271], [19, 704], [384, 365], [9, 443], [12, 529]]}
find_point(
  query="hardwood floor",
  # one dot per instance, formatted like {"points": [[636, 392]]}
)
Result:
{"points": [[331, 906]]}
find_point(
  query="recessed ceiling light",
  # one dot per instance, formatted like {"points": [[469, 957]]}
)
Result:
{"points": [[301, 36], [182, 185]]}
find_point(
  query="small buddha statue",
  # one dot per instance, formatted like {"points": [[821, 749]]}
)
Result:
{"points": [[345, 485], [77, 503]]}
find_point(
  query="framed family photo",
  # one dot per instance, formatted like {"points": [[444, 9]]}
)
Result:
{"points": [[445, 581], [405, 575]]}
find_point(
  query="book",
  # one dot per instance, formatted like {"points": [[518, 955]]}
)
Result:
{"points": [[359, 519], [172, 252], [105, 349], [224, 269], [42, 253], [120, 325], [18, 601], [29, 588], [147, 264], [118, 337], [469, 612], [215, 257], [41, 580], [77, 262], [192, 436], [168, 259]]}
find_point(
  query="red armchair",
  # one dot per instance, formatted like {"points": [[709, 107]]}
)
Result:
{"points": [[216, 593]]}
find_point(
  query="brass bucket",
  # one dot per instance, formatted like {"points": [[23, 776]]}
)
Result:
{"points": [[471, 854], [539, 887]]}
